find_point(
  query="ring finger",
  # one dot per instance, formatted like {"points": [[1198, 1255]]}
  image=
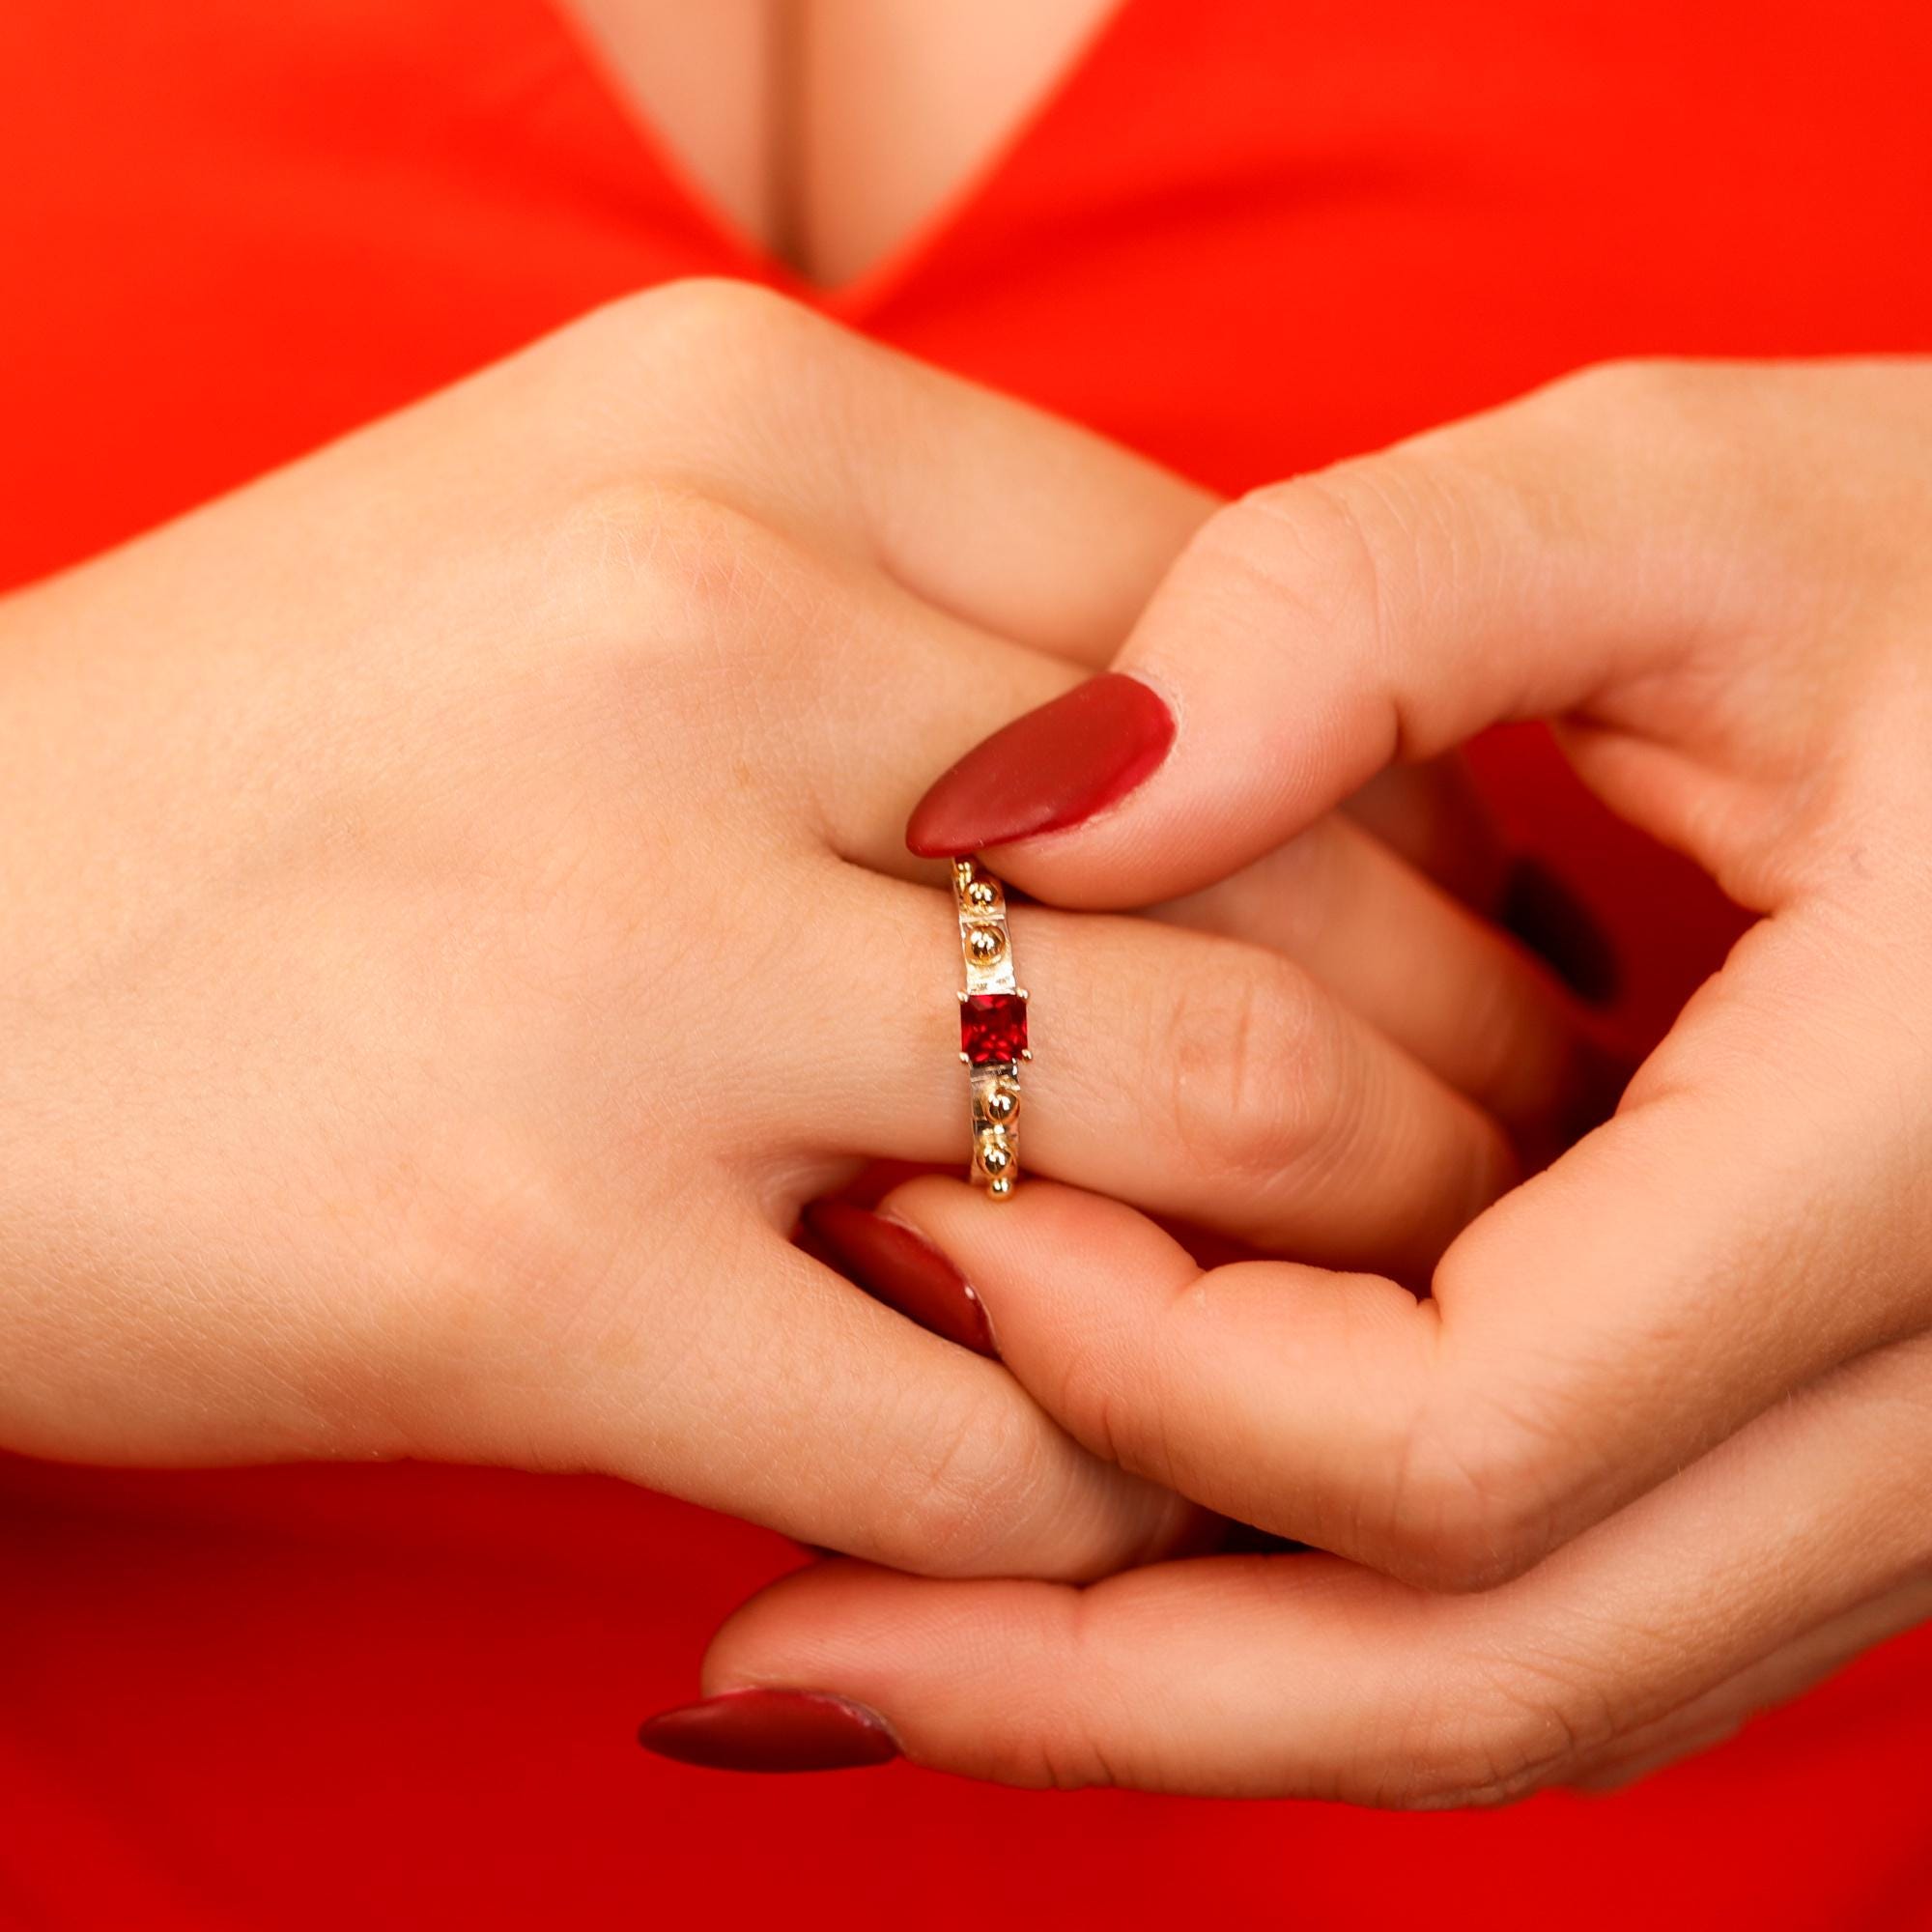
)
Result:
{"points": [[1190, 1073]]}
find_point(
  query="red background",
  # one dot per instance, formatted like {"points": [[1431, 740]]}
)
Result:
{"points": [[1244, 237]]}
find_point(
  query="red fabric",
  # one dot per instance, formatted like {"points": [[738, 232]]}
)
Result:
{"points": [[1245, 238]]}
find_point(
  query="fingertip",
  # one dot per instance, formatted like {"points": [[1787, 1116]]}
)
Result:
{"points": [[846, 1622]]}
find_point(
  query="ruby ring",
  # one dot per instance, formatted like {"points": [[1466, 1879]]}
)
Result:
{"points": [[992, 1027]]}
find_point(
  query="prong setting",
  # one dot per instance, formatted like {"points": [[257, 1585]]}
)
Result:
{"points": [[992, 1025]]}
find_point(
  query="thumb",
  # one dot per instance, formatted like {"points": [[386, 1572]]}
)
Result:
{"points": [[1521, 564]]}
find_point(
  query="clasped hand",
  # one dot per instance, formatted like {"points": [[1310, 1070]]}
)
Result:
{"points": [[458, 916]]}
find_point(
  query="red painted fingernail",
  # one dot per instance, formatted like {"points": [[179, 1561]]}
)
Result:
{"points": [[771, 1730], [904, 1271], [1053, 768]]}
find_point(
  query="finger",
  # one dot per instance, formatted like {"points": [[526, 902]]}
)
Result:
{"points": [[1015, 519], [1418, 966], [1197, 1076], [1321, 630], [1306, 1677], [1721, 1711], [1273, 1393], [1598, 1329], [797, 1401], [1467, 1004]]}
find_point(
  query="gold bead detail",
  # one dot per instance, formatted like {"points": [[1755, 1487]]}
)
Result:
{"points": [[982, 895], [995, 1158], [1002, 1104], [985, 943], [999, 1190]]}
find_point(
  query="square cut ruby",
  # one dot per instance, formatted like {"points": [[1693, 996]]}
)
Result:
{"points": [[992, 1027]]}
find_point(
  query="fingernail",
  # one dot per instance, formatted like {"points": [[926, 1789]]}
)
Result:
{"points": [[1053, 768], [1552, 920], [904, 1271], [771, 1730]]}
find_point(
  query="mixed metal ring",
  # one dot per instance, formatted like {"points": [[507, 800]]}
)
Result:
{"points": [[992, 1027]]}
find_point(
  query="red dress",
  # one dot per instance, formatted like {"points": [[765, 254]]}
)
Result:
{"points": [[1246, 238]]}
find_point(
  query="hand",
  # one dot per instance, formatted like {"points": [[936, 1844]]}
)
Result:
{"points": [[455, 914], [1658, 1450]]}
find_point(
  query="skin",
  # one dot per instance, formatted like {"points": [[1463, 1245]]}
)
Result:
{"points": [[1657, 1451], [831, 130], [457, 914]]}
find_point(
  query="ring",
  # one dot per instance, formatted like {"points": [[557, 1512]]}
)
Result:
{"points": [[992, 1027]]}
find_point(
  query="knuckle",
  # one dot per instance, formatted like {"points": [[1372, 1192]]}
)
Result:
{"points": [[1250, 1058], [1114, 1403], [1355, 557], [671, 565], [1509, 1733], [1626, 391], [1077, 1763], [1073, 1744], [1471, 1508], [1069, 1754], [981, 1484], [690, 321], [1330, 545], [674, 372]]}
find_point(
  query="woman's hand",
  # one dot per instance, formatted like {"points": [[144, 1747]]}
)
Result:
{"points": [[1658, 1451], [455, 914]]}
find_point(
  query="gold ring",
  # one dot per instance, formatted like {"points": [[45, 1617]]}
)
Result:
{"points": [[992, 1027]]}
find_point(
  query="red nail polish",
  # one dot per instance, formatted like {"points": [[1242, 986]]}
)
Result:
{"points": [[1053, 768], [771, 1730], [905, 1271]]}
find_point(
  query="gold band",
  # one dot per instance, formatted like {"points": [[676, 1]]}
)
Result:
{"points": [[992, 1027]]}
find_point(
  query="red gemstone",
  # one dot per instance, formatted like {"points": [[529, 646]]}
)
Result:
{"points": [[992, 1027]]}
